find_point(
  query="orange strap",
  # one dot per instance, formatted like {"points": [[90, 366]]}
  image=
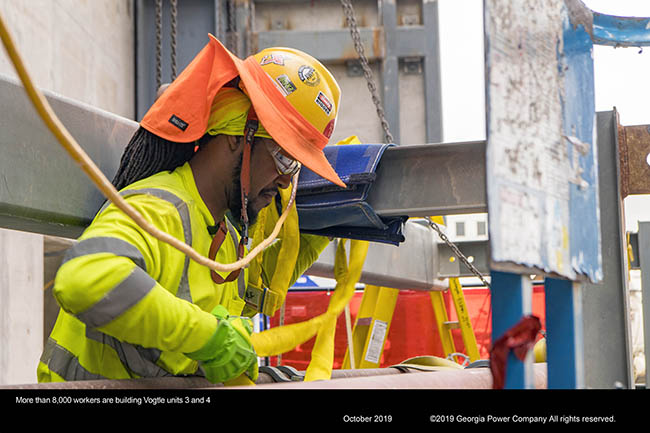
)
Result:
{"points": [[245, 180], [245, 177]]}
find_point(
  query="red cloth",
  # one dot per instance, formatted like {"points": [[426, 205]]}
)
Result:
{"points": [[519, 339]]}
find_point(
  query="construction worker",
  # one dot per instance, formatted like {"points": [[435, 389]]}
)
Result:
{"points": [[212, 151]]}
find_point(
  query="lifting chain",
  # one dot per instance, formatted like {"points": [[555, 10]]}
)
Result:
{"points": [[174, 21], [456, 251], [159, 38], [233, 36], [351, 19], [158, 44], [348, 10]]}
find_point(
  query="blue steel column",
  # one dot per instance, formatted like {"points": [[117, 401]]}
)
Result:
{"points": [[512, 299], [564, 334]]}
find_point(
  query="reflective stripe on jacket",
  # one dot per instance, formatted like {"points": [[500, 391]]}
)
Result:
{"points": [[131, 305]]}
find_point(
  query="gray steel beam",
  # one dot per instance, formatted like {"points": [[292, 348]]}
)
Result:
{"points": [[336, 45], [644, 264], [41, 188], [413, 265], [431, 179], [476, 251], [607, 339], [42, 191], [329, 46]]}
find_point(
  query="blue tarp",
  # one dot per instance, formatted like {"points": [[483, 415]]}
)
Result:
{"points": [[329, 210]]}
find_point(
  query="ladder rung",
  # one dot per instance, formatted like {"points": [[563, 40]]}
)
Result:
{"points": [[452, 325]]}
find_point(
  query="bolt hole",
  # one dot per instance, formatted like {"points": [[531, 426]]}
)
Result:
{"points": [[647, 159]]}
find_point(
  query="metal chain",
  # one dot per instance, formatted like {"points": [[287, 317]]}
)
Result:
{"points": [[348, 10], [174, 15], [232, 37], [350, 17], [158, 44], [456, 251]]}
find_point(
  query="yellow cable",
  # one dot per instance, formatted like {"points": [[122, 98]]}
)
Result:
{"points": [[103, 184], [267, 343]]}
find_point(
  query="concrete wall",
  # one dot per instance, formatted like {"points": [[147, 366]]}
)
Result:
{"points": [[81, 49]]}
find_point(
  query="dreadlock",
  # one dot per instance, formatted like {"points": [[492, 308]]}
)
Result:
{"points": [[147, 154]]}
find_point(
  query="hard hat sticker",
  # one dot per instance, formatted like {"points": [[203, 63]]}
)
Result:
{"points": [[308, 75], [324, 103], [329, 128], [275, 59], [286, 84]]}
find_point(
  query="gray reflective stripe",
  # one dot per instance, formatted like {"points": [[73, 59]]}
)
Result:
{"points": [[136, 359], [64, 363], [241, 279], [183, 290], [119, 299], [105, 245]]}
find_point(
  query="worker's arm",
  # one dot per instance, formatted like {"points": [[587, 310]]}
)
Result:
{"points": [[112, 280]]}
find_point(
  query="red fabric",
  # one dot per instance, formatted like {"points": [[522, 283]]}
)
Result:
{"points": [[519, 339]]}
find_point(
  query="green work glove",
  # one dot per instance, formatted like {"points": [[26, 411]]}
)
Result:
{"points": [[229, 352]]}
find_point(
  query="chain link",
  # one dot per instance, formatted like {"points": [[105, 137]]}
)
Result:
{"points": [[456, 251], [158, 44], [348, 10], [174, 25], [232, 36], [351, 19]]}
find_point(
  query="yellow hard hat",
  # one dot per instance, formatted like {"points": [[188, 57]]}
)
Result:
{"points": [[306, 84], [294, 97]]}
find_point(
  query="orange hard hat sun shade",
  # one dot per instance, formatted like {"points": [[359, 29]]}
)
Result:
{"points": [[181, 113]]}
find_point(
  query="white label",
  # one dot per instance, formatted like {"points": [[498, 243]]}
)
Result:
{"points": [[376, 343]]}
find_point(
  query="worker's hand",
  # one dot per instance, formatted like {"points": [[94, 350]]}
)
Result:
{"points": [[229, 352]]}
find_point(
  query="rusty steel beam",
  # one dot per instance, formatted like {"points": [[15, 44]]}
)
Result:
{"points": [[634, 145]]}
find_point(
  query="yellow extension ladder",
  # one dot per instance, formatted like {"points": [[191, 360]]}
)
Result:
{"points": [[375, 315]]}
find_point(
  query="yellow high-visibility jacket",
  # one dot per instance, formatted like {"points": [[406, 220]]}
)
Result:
{"points": [[131, 305]]}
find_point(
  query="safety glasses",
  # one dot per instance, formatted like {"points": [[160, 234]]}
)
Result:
{"points": [[283, 164]]}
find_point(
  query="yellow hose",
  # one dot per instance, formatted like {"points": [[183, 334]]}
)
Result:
{"points": [[75, 151], [272, 342]]}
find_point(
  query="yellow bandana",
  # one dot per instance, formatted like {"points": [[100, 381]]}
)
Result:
{"points": [[229, 112]]}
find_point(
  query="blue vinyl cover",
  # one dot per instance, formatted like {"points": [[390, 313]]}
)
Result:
{"points": [[327, 209]]}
